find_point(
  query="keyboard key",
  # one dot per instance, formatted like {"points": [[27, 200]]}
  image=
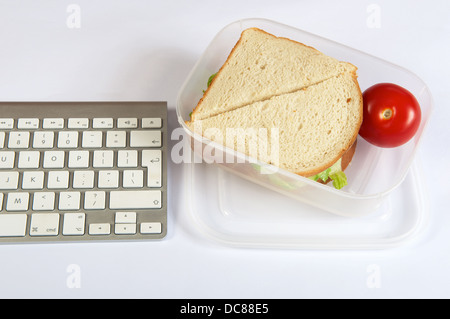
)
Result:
{"points": [[17, 202], [2, 139], [69, 201], [92, 139], [7, 159], [127, 158], [78, 123], [56, 123], [28, 124], [127, 123], [102, 123], [9, 180], [6, 124], [43, 139], [44, 201], [29, 159], [83, 179], [125, 229], [99, 229], [73, 224], [33, 180], [78, 159], [58, 180], [116, 139], [147, 199], [125, 218], [145, 139], [54, 159], [94, 200], [44, 224], [103, 159], [108, 179], [13, 225], [150, 228], [152, 159], [133, 179], [151, 122], [19, 139], [68, 139]]}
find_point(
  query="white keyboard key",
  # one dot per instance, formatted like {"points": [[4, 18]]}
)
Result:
{"points": [[68, 139], [44, 224], [127, 123], [78, 123], [50, 123], [116, 139], [7, 159], [44, 201], [133, 179], [33, 180], [29, 159], [53, 159], [150, 228], [43, 139], [6, 124], [152, 159], [28, 124], [17, 202], [94, 200], [2, 139], [58, 180], [73, 224], [108, 179], [99, 229], [151, 122], [92, 139], [1, 201], [19, 140], [9, 180], [78, 159], [83, 179], [127, 158], [69, 201], [145, 138], [102, 123], [13, 225], [103, 159], [125, 218], [125, 229], [146, 199]]}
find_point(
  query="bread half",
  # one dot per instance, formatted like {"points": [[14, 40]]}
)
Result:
{"points": [[314, 126], [261, 66]]}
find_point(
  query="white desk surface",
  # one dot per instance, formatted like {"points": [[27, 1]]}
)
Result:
{"points": [[144, 50]]}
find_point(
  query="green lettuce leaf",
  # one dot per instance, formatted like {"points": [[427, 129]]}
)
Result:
{"points": [[335, 173]]}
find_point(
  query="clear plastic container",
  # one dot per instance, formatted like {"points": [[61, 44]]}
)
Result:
{"points": [[373, 173]]}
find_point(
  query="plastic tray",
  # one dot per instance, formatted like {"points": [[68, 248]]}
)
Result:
{"points": [[239, 213], [373, 173]]}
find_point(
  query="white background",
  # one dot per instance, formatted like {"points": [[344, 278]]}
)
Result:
{"points": [[144, 50]]}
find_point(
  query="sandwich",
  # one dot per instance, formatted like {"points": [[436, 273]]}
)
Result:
{"points": [[311, 101]]}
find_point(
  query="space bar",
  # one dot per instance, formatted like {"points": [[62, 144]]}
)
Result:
{"points": [[150, 199]]}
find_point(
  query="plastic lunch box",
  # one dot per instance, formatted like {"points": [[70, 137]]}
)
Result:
{"points": [[373, 173]]}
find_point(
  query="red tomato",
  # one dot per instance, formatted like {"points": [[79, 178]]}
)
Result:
{"points": [[391, 115]]}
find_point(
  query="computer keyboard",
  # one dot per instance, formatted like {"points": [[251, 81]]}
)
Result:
{"points": [[82, 171]]}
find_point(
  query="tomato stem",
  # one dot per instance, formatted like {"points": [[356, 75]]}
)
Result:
{"points": [[387, 114]]}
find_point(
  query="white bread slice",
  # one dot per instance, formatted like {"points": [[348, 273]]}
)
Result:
{"points": [[262, 65], [316, 125]]}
